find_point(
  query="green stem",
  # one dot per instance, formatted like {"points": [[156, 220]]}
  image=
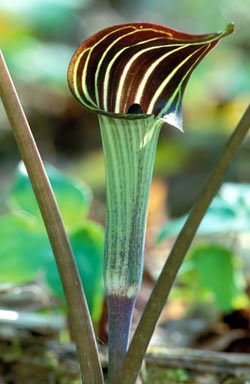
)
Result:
{"points": [[144, 331], [78, 310], [129, 150]]}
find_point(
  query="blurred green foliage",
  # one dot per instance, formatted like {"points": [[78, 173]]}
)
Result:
{"points": [[229, 212], [212, 274], [25, 249], [212, 271], [38, 38], [32, 38], [73, 197]]}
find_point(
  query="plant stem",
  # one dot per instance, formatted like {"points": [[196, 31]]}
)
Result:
{"points": [[144, 331], [120, 310], [83, 332]]}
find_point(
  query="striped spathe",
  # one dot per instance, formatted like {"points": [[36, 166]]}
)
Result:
{"points": [[138, 63]]}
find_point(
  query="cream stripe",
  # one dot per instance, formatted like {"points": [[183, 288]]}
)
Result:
{"points": [[104, 55], [149, 72], [108, 69], [84, 89], [126, 70], [84, 73], [165, 82], [164, 110]]}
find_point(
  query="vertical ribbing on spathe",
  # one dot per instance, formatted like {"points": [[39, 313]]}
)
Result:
{"points": [[129, 147]]}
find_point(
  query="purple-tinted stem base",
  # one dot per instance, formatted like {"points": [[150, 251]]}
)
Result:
{"points": [[120, 311]]}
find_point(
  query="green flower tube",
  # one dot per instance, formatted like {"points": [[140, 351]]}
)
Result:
{"points": [[133, 76], [129, 151]]}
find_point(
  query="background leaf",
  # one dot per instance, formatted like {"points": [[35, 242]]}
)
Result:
{"points": [[73, 196], [216, 271], [23, 250], [229, 212], [88, 246]]}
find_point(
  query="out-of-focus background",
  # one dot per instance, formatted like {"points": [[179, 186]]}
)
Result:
{"points": [[38, 38]]}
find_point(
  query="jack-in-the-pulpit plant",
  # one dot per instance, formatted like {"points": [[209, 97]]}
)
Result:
{"points": [[133, 76]]}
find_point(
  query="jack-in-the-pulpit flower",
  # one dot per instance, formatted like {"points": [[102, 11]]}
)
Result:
{"points": [[133, 76], [138, 63]]}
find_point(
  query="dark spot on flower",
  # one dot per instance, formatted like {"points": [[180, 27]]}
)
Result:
{"points": [[135, 109]]}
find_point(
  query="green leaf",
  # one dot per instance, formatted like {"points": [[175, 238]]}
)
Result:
{"points": [[88, 246], [229, 212], [238, 196], [73, 197], [51, 71], [23, 250], [216, 270]]}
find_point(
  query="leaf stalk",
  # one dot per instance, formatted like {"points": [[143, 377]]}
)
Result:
{"points": [[82, 327]]}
